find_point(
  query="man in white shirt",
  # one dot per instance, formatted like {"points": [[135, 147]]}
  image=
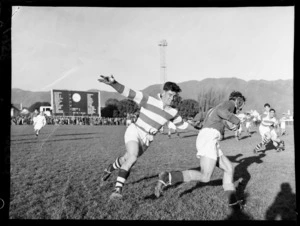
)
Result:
{"points": [[39, 122]]}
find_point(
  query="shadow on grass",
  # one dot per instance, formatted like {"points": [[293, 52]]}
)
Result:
{"points": [[238, 214], [74, 134], [144, 178], [38, 140], [284, 205], [268, 147], [217, 182], [228, 137], [191, 135], [241, 172], [244, 137]]}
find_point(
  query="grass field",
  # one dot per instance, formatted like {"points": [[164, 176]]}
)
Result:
{"points": [[56, 176]]}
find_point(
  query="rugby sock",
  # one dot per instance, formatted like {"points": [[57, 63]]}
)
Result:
{"points": [[122, 176], [176, 177], [115, 165], [264, 142]]}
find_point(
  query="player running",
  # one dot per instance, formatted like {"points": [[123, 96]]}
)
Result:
{"points": [[271, 136], [268, 120], [209, 151], [39, 122], [154, 114], [238, 132]]}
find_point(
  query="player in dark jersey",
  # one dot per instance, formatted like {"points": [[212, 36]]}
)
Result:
{"points": [[208, 150]]}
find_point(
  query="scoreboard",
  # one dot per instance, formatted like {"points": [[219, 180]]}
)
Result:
{"points": [[75, 103]]}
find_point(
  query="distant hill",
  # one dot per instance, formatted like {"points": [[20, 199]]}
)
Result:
{"points": [[278, 93]]}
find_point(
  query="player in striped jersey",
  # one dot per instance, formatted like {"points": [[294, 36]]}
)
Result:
{"points": [[267, 108], [271, 136], [209, 151], [268, 120], [154, 113]]}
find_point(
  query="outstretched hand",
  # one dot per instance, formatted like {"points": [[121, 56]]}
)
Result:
{"points": [[107, 79]]}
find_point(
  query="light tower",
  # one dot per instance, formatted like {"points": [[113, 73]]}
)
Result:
{"points": [[163, 66]]}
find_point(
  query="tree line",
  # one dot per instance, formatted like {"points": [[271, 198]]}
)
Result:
{"points": [[188, 108]]}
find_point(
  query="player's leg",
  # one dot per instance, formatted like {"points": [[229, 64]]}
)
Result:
{"points": [[207, 166], [265, 141], [132, 153], [169, 133], [207, 152], [248, 125], [130, 134], [134, 149], [228, 186]]}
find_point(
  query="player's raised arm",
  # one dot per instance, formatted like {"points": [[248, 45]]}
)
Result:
{"points": [[136, 96]]}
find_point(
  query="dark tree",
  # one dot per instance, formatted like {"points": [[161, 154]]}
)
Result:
{"points": [[127, 106], [111, 101], [188, 108]]}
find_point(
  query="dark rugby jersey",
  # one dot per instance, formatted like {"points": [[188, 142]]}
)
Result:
{"points": [[223, 111]]}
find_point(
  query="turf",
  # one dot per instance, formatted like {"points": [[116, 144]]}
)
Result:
{"points": [[56, 176]]}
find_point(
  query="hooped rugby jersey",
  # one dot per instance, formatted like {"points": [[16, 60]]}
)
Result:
{"points": [[267, 121], [152, 114]]}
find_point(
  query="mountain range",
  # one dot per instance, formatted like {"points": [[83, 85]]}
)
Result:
{"points": [[278, 93]]}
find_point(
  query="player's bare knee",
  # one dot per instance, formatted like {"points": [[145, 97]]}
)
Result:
{"points": [[205, 177], [131, 160], [229, 169]]}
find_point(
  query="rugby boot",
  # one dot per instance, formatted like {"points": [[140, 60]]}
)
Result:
{"points": [[163, 181], [117, 194]]}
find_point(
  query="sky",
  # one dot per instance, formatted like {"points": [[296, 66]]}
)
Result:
{"points": [[69, 47]]}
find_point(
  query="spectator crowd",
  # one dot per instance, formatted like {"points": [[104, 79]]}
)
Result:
{"points": [[74, 120]]}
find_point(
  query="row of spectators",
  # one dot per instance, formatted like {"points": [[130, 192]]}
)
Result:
{"points": [[60, 120]]}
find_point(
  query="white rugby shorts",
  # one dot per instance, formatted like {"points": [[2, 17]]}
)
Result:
{"points": [[207, 143], [134, 133], [38, 126], [263, 130], [248, 125]]}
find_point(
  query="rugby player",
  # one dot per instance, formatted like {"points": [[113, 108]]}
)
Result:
{"points": [[267, 108], [39, 122], [268, 120], [209, 151], [248, 124], [238, 132], [271, 136], [154, 114]]}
